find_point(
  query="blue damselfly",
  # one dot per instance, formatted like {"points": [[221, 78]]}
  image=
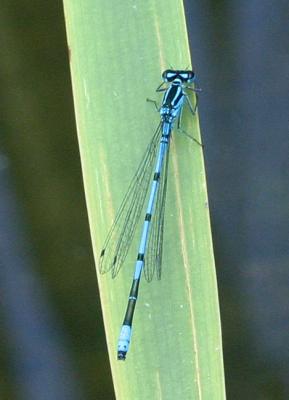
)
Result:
{"points": [[152, 168]]}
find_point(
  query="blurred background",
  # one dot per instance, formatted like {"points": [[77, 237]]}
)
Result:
{"points": [[51, 332]]}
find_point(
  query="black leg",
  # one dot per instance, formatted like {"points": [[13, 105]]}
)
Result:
{"points": [[193, 110], [197, 101], [191, 137], [160, 89], [155, 103], [179, 120]]}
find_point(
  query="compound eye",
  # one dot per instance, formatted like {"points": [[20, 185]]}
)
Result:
{"points": [[169, 75], [187, 76], [191, 76]]}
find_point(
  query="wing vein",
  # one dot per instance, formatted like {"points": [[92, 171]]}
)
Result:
{"points": [[120, 236]]}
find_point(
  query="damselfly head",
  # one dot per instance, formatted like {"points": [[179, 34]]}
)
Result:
{"points": [[171, 75]]}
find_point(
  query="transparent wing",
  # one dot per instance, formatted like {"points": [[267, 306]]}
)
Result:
{"points": [[153, 257], [120, 236]]}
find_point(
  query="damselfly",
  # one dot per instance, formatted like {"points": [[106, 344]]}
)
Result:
{"points": [[153, 167]]}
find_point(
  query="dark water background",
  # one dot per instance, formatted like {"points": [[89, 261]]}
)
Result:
{"points": [[52, 343]]}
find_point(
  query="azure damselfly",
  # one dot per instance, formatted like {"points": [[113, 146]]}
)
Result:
{"points": [[152, 168]]}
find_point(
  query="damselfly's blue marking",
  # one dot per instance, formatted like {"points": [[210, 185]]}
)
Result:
{"points": [[152, 168]]}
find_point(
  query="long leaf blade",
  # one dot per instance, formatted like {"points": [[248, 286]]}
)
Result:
{"points": [[118, 51]]}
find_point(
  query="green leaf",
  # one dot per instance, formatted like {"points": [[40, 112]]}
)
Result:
{"points": [[118, 50]]}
